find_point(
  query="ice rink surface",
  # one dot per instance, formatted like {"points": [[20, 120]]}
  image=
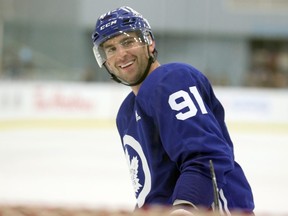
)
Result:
{"points": [[85, 166]]}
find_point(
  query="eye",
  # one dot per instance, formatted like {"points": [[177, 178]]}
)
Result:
{"points": [[128, 42], [109, 51]]}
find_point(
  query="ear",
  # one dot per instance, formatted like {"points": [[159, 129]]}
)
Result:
{"points": [[152, 46]]}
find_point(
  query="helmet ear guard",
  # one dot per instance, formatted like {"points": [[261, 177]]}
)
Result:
{"points": [[148, 37]]}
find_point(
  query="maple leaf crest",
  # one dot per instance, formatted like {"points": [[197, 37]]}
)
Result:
{"points": [[133, 168]]}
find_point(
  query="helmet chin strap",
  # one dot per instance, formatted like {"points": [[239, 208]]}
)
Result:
{"points": [[150, 61]]}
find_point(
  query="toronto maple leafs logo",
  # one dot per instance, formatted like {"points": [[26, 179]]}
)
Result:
{"points": [[133, 168], [138, 167]]}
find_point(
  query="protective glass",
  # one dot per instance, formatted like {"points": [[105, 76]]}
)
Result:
{"points": [[118, 42]]}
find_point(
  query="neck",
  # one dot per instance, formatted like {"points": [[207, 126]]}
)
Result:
{"points": [[136, 88]]}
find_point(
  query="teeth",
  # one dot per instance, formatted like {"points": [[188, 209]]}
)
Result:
{"points": [[127, 64]]}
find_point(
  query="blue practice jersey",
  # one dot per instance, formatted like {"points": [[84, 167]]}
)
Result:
{"points": [[169, 132]]}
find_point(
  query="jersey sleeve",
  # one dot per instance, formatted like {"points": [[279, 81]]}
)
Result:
{"points": [[190, 121]]}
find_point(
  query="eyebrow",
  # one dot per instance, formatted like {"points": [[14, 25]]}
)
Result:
{"points": [[121, 41]]}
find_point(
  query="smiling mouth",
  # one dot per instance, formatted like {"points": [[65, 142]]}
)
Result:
{"points": [[126, 65]]}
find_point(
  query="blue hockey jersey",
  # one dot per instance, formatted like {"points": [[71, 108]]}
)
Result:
{"points": [[169, 132]]}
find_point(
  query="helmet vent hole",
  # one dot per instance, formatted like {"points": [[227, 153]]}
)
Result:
{"points": [[107, 17], [95, 36], [128, 21]]}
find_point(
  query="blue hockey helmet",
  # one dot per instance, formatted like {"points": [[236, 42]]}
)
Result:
{"points": [[116, 22]]}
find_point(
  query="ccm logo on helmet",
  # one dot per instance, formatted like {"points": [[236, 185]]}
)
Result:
{"points": [[108, 25]]}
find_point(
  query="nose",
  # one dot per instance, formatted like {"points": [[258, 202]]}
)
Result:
{"points": [[120, 51]]}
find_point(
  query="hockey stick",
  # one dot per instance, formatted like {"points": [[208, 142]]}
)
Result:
{"points": [[215, 187]]}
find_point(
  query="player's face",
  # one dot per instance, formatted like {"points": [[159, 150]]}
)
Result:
{"points": [[126, 56]]}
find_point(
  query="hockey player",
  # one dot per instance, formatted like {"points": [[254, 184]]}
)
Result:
{"points": [[171, 124]]}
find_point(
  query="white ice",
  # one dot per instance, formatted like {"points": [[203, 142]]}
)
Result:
{"points": [[86, 167]]}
